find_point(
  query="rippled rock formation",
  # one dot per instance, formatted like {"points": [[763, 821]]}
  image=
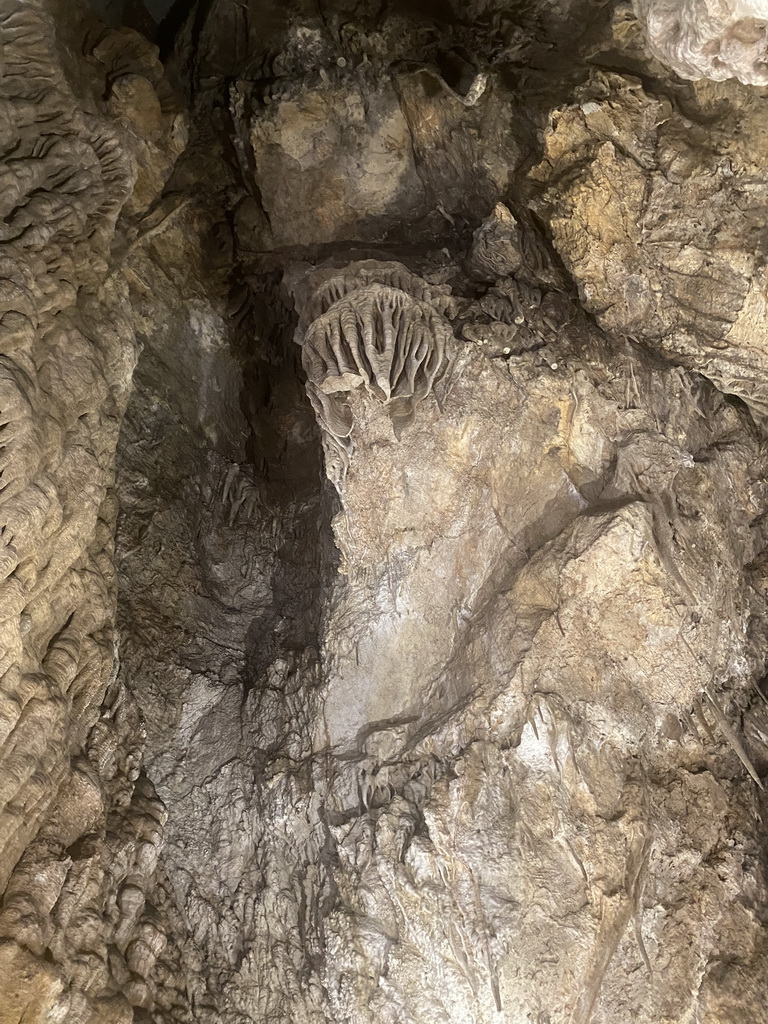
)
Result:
{"points": [[717, 39]]}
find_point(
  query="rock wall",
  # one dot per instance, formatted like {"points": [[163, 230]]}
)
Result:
{"points": [[421, 678], [81, 823], [515, 663]]}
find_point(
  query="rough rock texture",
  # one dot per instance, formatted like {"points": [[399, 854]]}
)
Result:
{"points": [[81, 824], [506, 668], [715, 39], [435, 339], [656, 207]]}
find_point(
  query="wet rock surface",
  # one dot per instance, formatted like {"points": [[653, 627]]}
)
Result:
{"points": [[383, 513]]}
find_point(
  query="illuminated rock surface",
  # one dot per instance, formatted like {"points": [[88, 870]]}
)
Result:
{"points": [[384, 489]]}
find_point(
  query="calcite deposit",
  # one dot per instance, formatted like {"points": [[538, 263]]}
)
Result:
{"points": [[383, 504], [717, 39]]}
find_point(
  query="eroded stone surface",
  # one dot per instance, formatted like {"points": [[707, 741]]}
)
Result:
{"points": [[514, 632], [81, 824], [471, 732], [657, 217], [717, 39]]}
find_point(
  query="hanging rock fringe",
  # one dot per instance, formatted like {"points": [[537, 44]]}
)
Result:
{"points": [[375, 336]]}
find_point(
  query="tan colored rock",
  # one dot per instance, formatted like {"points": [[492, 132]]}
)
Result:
{"points": [[688, 283], [346, 154], [523, 606], [473, 735], [33, 990], [68, 353]]}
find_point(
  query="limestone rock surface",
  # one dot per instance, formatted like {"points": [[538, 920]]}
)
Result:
{"points": [[717, 39], [657, 214], [384, 535], [81, 824]]}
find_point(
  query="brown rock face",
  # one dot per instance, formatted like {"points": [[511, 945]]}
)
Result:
{"points": [[383, 518], [81, 824], [649, 215]]}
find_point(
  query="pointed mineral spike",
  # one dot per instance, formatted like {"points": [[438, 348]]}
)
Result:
{"points": [[691, 725], [733, 739], [699, 712]]}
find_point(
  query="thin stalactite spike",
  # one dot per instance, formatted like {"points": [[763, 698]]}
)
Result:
{"points": [[698, 711], [733, 739], [690, 724]]}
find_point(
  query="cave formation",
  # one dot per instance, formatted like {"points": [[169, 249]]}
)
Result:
{"points": [[383, 490]]}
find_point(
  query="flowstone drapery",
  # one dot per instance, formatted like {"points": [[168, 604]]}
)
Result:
{"points": [[80, 823], [369, 333], [717, 39]]}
